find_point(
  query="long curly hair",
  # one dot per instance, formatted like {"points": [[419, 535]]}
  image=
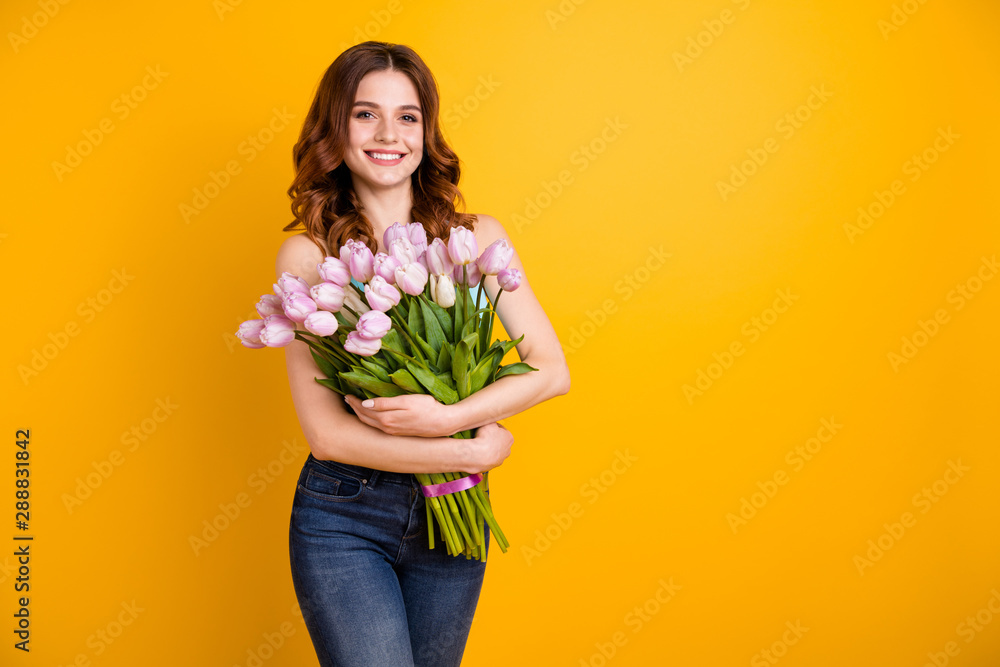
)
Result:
{"points": [[323, 199]]}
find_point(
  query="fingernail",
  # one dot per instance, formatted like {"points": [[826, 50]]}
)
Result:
{"points": [[368, 403]]}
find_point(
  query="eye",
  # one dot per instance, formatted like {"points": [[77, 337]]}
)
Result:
{"points": [[361, 113], [412, 117]]}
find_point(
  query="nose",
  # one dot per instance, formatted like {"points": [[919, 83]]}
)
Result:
{"points": [[386, 131]]}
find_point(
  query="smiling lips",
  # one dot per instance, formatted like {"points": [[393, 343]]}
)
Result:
{"points": [[385, 158]]}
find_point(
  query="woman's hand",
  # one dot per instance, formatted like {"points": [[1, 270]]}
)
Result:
{"points": [[490, 447], [409, 414]]}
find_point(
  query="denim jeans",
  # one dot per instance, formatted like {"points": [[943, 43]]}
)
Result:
{"points": [[372, 592]]}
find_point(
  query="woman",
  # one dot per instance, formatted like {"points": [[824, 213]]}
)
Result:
{"points": [[371, 590]]}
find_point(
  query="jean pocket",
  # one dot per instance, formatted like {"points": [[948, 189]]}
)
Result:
{"points": [[332, 485]]}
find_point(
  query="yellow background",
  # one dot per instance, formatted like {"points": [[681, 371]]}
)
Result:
{"points": [[535, 82]]}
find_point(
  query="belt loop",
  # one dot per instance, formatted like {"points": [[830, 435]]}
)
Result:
{"points": [[372, 477]]}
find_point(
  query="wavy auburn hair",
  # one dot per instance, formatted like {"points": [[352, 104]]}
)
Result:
{"points": [[323, 199]]}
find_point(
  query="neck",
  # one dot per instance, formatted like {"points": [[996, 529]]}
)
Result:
{"points": [[384, 206]]}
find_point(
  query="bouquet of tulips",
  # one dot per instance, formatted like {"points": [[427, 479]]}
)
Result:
{"points": [[404, 322]]}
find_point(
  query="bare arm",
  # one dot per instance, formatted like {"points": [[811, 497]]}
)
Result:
{"points": [[333, 433], [520, 313]]}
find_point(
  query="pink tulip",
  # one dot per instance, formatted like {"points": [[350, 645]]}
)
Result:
{"points": [[403, 250], [249, 334], [359, 259], [380, 294], [322, 323], [269, 304], [417, 235], [411, 277], [278, 331], [289, 283], [394, 231], [385, 266], [335, 271], [495, 258], [437, 258], [358, 344], [462, 247], [297, 306], [373, 324], [443, 290], [509, 279], [471, 271], [328, 296]]}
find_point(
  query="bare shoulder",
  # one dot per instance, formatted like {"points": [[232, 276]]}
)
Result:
{"points": [[299, 256], [488, 229]]}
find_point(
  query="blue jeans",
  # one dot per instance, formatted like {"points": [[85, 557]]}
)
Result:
{"points": [[372, 592]]}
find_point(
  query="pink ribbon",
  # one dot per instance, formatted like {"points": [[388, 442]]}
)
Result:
{"points": [[460, 484]]}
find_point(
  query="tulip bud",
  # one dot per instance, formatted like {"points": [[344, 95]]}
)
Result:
{"points": [[321, 323], [278, 331], [403, 250], [297, 306], [269, 304], [417, 235], [373, 324], [385, 266], [249, 333], [354, 302], [509, 279], [411, 278], [359, 259], [335, 271], [380, 294], [472, 274], [462, 247], [358, 344], [443, 291], [328, 296], [288, 283], [394, 231], [437, 258], [495, 258]]}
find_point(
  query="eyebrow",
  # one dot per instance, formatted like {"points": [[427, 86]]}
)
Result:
{"points": [[404, 107]]}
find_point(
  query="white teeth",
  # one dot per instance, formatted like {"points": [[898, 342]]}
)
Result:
{"points": [[385, 156]]}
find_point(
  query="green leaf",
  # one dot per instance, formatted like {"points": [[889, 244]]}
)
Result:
{"points": [[416, 321], [325, 367], [443, 317], [435, 336], [375, 369], [461, 362], [404, 379], [368, 383], [482, 374], [444, 359], [434, 385], [515, 369], [332, 383]]}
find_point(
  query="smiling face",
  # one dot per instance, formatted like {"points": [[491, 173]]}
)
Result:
{"points": [[386, 132]]}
